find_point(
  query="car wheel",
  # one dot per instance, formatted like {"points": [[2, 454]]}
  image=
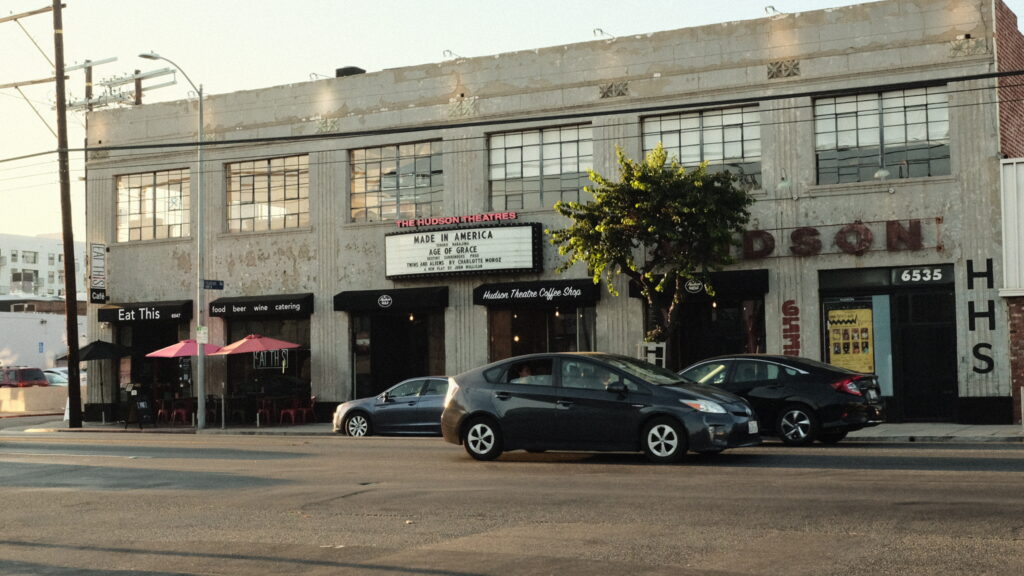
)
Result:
{"points": [[664, 441], [358, 424], [797, 425], [831, 437], [482, 439]]}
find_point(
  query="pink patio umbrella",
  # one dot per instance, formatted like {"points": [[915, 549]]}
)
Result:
{"points": [[183, 349], [254, 343]]}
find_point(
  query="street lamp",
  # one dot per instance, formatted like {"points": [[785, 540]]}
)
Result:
{"points": [[201, 333]]}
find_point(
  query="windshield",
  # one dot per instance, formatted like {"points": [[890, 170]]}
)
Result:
{"points": [[645, 371], [32, 374]]}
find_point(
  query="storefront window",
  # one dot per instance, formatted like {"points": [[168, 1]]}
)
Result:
{"points": [[514, 332], [274, 373]]}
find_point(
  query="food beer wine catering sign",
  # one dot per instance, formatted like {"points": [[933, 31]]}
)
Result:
{"points": [[511, 247]]}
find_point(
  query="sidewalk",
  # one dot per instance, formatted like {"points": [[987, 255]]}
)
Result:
{"points": [[901, 433], [40, 423]]}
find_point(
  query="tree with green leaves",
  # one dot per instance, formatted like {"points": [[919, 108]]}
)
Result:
{"points": [[661, 225]]}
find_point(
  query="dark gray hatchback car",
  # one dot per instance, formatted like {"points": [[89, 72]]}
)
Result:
{"points": [[591, 402]]}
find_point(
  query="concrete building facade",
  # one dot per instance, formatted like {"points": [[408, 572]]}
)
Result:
{"points": [[391, 223]]}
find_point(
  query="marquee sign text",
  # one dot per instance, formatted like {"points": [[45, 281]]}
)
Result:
{"points": [[504, 248]]}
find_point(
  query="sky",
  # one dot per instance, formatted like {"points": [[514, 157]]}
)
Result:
{"points": [[232, 45]]}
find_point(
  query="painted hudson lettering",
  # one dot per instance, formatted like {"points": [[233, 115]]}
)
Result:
{"points": [[855, 238]]}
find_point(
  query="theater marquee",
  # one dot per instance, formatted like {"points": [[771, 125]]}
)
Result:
{"points": [[457, 251]]}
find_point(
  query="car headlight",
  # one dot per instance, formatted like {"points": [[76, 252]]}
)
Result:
{"points": [[704, 406]]}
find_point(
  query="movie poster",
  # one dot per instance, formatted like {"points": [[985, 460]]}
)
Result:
{"points": [[851, 340]]}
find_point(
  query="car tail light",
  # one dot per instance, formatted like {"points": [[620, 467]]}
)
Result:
{"points": [[848, 386], [452, 389]]}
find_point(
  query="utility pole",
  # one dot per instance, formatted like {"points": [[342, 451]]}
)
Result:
{"points": [[70, 281]]}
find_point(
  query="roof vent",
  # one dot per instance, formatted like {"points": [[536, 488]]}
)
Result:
{"points": [[348, 71]]}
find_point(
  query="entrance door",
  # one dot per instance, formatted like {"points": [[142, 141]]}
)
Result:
{"points": [[722, 326], [391, 347], [910, 339], [924, 342]]}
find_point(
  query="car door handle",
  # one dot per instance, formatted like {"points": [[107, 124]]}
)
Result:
{"points": [[502, 395], [412, 403], [564, 404]]}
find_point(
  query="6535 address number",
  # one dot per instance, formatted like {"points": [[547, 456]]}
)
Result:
{"points": [[923, 275]]}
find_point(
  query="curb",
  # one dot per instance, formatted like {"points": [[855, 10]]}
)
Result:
{"points": [[937, 439]]}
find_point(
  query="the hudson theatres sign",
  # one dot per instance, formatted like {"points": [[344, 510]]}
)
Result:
{"points": [[511, 247]]}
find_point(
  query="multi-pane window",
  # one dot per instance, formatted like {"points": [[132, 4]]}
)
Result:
{"points": [[906, 132], [536, 168], [52, 259], [397, 182], [153, 205], [14, 255], [727, 139], [29, 257], [268, 194]]}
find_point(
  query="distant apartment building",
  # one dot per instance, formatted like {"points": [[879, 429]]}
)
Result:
{"points": [[34, 266], [32, 304]]}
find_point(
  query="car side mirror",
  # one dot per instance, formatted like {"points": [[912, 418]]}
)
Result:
{"points": [[616, 387], [386, 397]]}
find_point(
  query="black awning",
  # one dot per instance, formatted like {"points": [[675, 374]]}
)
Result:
{"points": [[395, 300], [542, 293], [293, 305], [136, 312], [724, 283]]}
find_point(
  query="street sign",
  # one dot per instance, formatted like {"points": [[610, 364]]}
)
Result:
{"points": [[202, 335], [213, 284]]}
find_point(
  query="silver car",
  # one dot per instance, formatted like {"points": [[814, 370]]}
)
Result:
{"points": [[412, 406]]}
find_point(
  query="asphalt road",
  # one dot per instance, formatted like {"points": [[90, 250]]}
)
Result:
{"points": [[95, 503]]}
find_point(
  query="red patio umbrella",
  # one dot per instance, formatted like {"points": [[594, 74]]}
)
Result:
{"points": [[182, 349], [254, 343]]}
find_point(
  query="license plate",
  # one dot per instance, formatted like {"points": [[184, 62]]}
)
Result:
{"points": [[872, 395], [752, 427]]}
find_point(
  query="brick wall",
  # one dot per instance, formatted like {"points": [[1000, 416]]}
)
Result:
{"points": [[1010, 54], [1016, 306]]}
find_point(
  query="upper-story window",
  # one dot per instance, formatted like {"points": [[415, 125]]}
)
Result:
{"points": [[396, 182], [906, 132], [52, 259], [153, 205], [536, 168], [29, 257], [14, 255], [727, 139], [268, 194]]}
